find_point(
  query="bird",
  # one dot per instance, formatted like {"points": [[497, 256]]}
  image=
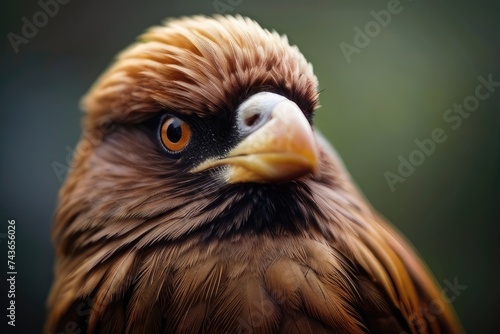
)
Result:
{"points": [[202, 199]]}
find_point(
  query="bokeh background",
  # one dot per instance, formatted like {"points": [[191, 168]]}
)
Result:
{"points": [[394, 91]]}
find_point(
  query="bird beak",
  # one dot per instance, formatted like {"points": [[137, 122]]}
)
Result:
{"points": [[282, 149]]}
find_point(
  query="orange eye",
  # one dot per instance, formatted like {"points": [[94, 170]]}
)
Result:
{"points": [[175, 134]]}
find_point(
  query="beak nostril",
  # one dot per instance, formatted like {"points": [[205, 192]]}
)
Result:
{"points": [[250, 121], [256, 111]]}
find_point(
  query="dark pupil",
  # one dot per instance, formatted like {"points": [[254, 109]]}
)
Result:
{"points": [[174, 131]]}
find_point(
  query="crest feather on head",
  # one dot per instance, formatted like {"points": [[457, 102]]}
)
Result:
{"points": [[199, 65]]}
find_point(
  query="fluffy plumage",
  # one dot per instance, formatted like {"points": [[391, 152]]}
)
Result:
{"points": [[145, 246]]}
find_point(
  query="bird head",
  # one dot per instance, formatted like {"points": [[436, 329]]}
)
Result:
{"points": [[252, 92], [203, 125]]}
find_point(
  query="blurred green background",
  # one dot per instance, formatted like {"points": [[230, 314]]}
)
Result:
{"points": [[395, 90]]}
